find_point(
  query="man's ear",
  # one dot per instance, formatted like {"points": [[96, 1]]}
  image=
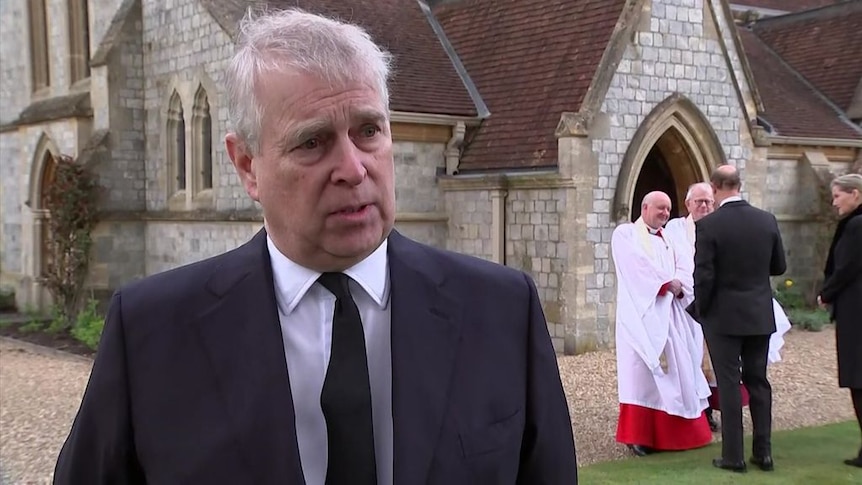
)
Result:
{"points": [[243, 162]]}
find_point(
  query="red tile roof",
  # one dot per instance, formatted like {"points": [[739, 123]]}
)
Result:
{"points": [[786, 5], [531, 60], [792, 107], [424, 81], [824, 45]]}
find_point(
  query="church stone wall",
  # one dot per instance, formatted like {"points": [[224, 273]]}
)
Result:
{"points": [[791, 193], [530, 220], [14, 67], [677, 51], [186, 48], [171, 244], [12, 195], [420, 215]]}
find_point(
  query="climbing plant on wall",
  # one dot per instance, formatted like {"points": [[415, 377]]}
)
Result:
{"points": [[71, 201]]}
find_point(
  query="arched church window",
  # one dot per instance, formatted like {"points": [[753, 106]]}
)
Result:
{"points": [[39, 64], [79, 41], [176, 145], [203, 146]]}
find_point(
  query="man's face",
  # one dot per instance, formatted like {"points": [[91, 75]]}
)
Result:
{"points": [[656, 212], [324, 174], [700, 204]]}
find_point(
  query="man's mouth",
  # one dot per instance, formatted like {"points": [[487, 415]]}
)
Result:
{"points": [[352, 209]]}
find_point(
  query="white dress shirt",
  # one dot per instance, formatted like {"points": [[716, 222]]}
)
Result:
{"points": [[305, 310], [732, 198]]}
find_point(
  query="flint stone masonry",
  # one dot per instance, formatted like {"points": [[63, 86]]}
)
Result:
{"points": [[534, 245], [171, 244], [117, 254], [532, 239], [470, 220], [14, 67], [11, 196], [184, 49], [675, 54]]}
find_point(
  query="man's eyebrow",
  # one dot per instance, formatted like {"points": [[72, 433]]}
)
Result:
{"points": [[303, 131], [369, 114]]}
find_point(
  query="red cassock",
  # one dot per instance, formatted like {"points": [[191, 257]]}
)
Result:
{"points": [[661, 431], [713, 398]]}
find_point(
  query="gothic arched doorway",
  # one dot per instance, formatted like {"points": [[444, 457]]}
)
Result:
{"points": [[655, 175], [49, 171], [673, 148]]}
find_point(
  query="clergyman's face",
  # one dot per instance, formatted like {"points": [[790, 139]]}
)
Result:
{"points": [[656, 212], [324, 174], [700, 204]]}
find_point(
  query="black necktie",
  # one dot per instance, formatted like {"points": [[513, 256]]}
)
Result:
{"points": [[346, 395]]}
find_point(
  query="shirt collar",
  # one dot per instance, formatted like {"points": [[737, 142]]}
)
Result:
{"points": [[732, 198], [292, 280]]}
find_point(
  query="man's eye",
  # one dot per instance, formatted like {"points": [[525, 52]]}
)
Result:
{"points": [[370, 130], [310, 144]]}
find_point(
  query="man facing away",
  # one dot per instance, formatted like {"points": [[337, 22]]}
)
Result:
{"points": [[329, 348], [662, 390], [737, 248], [699, 202]]}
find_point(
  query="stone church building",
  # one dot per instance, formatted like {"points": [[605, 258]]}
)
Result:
{"points": [[524, 130]]}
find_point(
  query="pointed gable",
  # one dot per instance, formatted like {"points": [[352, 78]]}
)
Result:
{"points": [[531, 60], [424, 79]]}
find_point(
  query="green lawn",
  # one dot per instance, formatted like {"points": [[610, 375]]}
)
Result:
{"points": [[803, 456]]}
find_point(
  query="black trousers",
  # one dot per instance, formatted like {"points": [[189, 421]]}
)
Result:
{"points": [[727, 353]]}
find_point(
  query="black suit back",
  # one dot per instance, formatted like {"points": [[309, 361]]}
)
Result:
{"points": [[738, 247]]}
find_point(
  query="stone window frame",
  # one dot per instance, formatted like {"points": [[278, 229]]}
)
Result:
{"points": [[175, 151], [202, 172], [190, 124], [40, 61], [79, 41]]}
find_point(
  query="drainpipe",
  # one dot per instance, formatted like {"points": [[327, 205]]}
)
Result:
{"points": [[498, 225]]}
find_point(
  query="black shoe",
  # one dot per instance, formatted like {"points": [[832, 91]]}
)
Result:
{"points": [[738, 467], [857, 462], [639, 450], [763, 462]]}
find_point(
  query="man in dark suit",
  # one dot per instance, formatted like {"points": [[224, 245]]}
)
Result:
{"points": [[737, 248], [329, 348]]}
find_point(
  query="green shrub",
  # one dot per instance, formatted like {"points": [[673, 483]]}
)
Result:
{"points": [[790, 296], [811, 320], [88, 325]]}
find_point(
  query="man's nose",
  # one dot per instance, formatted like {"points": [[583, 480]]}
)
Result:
{"points": [[350, 166]]}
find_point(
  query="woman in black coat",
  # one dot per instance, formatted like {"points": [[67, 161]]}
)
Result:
{"points": [[842, 289]]}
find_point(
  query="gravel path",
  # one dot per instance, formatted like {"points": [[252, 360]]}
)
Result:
{"points": [[40, 390]]}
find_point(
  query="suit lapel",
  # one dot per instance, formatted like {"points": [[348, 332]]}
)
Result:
{"points": [[241, 336], [425, 338]]}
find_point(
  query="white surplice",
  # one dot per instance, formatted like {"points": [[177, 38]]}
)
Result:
{"points": [[681, 233], [659, 346]]}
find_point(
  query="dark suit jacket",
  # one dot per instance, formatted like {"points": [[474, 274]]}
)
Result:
{"points": [[737, 248], [190, 383]]}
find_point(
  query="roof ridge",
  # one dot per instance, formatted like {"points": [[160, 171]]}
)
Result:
{"points": [[834, 107], [481, 108], [825, 11]]}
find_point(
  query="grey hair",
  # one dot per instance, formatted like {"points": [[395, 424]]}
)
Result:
{"points": [[704, 185], [848, 183], [298, 41]]}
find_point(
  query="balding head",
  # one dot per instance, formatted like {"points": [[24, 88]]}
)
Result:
{"points": [[725, 182], [699, 200], [655, 209]]}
